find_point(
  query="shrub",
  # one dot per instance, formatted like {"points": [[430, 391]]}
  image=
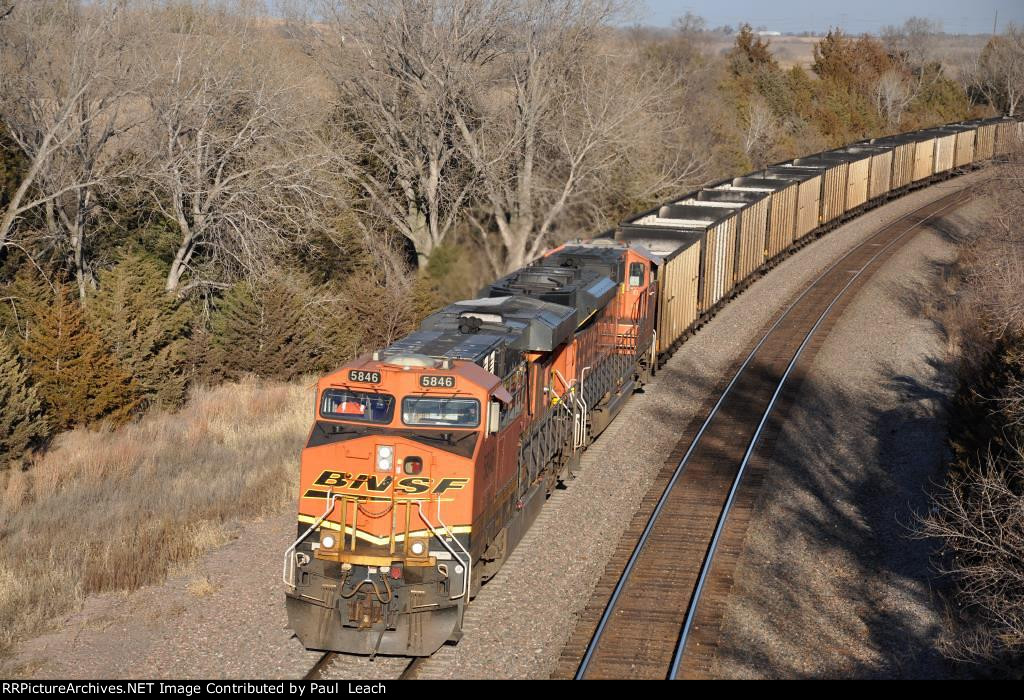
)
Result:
{"points": [[978, 513], [266, 328], [145, 327], [22, 424], [77, 378], [979, 516]]}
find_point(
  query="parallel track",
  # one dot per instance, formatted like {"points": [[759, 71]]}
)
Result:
{"points": [[639, 624], [701, 484]]}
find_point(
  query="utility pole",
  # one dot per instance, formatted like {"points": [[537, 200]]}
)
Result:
{"points": [[994, 21]]}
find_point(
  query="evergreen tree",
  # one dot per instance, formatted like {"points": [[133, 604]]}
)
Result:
{"points": [[749, 53], [266, 328], [27, 284], [12, 167], [145, 327], [22, 424], [78, 379], [381, 310]]}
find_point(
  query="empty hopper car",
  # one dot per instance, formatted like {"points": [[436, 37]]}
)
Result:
{"points": [[428, 460]]}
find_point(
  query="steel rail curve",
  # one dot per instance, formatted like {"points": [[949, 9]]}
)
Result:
{"points": [[679, 469], [691, 612]]}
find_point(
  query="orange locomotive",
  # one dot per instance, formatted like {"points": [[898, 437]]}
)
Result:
{"points": [[428, 460]]}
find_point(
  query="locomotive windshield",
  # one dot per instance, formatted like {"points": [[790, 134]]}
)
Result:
{"points": [[418, 410], [343, 404]]}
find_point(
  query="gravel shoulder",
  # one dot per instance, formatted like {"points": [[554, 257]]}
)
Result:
{"points": [[831, 582], [224, 617]]}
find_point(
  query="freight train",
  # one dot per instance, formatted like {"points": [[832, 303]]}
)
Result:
{"points": [[429, 459]]}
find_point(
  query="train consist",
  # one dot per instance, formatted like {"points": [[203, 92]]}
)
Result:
{"points": [[429, 459]]}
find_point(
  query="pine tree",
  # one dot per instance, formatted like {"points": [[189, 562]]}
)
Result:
{"points": [[145, 327], [22, 424], [77, 378], [266, 328], [749, 52], [236, 333], [28, 284]]}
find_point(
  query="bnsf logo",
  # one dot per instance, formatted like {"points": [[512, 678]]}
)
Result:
{"points": [[370, 483]]}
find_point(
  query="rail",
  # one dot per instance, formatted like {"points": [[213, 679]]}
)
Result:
{"points": [[288, 574], [657, 512]]}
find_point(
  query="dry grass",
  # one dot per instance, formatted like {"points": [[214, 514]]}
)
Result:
{"points": [[202, 586], [116, 510]]}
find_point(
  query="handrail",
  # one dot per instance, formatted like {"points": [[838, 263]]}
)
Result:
{"points": [[586, 408], [577, 424], [288, 573], [467, 565]]}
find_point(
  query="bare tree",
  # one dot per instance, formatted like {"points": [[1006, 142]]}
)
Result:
{"points": [[760, 129], [63, 68], [659, 149], [978, 518], [998, 73], [915, 67], [234, 162], [398, 66], [505, 112], [912, 44], [547, 125], [893, 94]]}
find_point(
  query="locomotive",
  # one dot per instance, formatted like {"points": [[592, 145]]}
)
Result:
{"points": [[429, 459]]}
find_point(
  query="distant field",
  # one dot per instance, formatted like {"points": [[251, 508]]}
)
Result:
{"points": [[954, 50]]}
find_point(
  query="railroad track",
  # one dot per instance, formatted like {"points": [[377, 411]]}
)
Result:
{"points": [[644, 619], [396, 668]]}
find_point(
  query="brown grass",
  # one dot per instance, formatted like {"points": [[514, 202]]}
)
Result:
{"points": [[115, 510], [202, 586]]}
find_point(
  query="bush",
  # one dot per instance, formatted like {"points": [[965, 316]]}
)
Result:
{"points": [[22, 424], [979, 515], [146, 328], [77, 378], [268, 329]]}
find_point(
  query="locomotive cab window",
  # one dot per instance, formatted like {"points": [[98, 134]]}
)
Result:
{"points": [[636, 274], [365, 407], [420, 410]]}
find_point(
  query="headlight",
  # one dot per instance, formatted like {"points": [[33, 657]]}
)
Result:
{"points": [[328, 542], [418, 548], [385, 458]]}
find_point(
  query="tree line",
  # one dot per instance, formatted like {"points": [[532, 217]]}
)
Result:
{"points": [[192, 191]]}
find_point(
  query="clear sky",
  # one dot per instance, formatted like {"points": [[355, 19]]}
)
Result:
{"points": [[854, 16]]}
